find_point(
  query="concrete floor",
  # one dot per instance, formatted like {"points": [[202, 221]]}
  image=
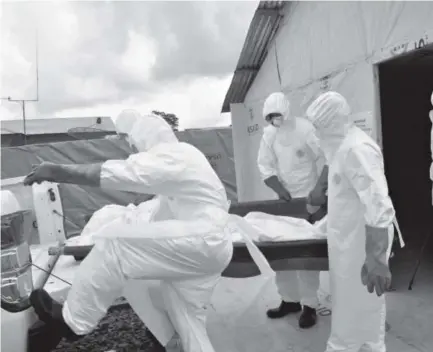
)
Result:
{"points": [[238, 323]]}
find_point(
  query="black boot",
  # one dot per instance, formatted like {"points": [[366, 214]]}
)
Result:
{"points": [[50, 312], [308, 318], [284, 309]]}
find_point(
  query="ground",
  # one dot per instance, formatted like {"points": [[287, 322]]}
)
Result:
{"points": [[237, 320]]}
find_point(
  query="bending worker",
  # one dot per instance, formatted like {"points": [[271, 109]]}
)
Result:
{"points": [[290, 162], [186, 246], [359, 227]]}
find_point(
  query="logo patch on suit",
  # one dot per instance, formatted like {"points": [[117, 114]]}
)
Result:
{"points": [[337, 179], [300, 153]]}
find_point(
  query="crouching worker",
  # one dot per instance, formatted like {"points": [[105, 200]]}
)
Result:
{"points": [[290, 162], [187, 249]]}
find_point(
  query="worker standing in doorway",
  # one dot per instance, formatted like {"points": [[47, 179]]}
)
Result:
{"points": [[290, 161], [359, 228]]}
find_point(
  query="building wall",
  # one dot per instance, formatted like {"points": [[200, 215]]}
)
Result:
{"points": [[325, 46], [341, 39]]}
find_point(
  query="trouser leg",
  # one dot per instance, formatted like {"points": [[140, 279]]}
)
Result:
{"points": [[105, 271], [99, 282], [186, 303], [309, 282], [287, 285], [145, 298]]}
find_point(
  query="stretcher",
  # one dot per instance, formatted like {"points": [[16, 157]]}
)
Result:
{"points": [[286, 255]]}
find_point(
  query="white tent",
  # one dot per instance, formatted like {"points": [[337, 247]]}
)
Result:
{"points": [[304, 48]]}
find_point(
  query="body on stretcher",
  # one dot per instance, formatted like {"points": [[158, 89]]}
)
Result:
{"points": [[311, 254]]}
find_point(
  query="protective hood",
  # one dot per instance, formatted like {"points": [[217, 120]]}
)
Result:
{"points": [[329, 113], [149, 131], [125, 121], [144, 131], [277, 103]]}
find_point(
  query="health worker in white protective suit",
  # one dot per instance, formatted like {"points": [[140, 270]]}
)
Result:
{"points": [[187, 245], [290, 162], [359, 228]]}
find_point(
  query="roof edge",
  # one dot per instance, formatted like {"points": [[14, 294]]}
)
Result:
{"points": [[263, 27]]}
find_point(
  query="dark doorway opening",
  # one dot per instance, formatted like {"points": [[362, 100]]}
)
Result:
{"points": [[406, 84]]}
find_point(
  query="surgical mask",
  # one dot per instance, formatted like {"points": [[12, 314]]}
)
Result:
{"points": [[277, 121]]}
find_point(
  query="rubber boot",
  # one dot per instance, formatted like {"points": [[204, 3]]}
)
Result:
{"points": [[50, 312], [284, 309], [308, 318]]}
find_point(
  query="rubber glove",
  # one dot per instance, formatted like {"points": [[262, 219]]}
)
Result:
{"points": [[317, 196], [86, 175], [318, 215], [274, 183], [40, 173], [311, 209], [375, 273]]}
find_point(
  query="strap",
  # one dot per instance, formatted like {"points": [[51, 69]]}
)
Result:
{"points": [[258, 257], [400, 236]]}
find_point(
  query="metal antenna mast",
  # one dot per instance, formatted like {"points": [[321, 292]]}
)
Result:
{"points": [[24, 101]]}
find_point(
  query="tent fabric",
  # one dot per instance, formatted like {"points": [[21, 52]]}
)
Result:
{"points": [[217, 146], [354, 36], [80, 201], [77, 201]]}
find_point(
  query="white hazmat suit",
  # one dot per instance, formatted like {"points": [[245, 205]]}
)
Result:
{"points": [[358, 206], [186, 246], [292, 153]]}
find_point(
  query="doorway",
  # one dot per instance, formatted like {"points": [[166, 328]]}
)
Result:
{"points": [[406, 84]]}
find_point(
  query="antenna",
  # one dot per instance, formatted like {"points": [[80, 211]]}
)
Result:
{"points": [[37, 63], [23, 101]]}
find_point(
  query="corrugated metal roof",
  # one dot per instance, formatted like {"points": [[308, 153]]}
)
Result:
{"points": [[55, 125], [262, 30]]}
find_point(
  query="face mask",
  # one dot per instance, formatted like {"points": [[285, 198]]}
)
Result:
{"points": [[277, 121]]}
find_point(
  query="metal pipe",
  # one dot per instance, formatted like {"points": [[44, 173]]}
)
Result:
{"points": [[46, 269]]}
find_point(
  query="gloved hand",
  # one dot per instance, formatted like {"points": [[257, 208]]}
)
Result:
{"points": [[275, 184], [40, 173], [86, 175], [318, 215], [311, 209], [375, 273], [285, 195], [317, 196]]}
